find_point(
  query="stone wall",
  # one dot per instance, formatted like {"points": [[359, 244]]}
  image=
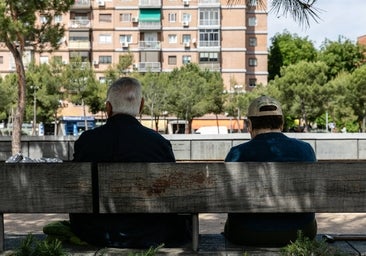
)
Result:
{"points": [[328, 146]]}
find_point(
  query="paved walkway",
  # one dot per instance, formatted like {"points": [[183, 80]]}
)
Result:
{"points": [[18, 225]]}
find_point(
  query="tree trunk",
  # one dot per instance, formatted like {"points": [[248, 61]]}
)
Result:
{"points": [[19, 113]]}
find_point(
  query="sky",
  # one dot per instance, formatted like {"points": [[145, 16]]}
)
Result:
{"points": [[337, 17]]}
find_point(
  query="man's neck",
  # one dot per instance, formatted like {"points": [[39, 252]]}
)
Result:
{"points": [[261, 131]]}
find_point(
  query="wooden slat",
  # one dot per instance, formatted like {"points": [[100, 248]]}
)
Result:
{"points": [[233, 187], [45, 188]]}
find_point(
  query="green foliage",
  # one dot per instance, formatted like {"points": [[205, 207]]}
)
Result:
{"points": [[33, 247], [341, 55], [150, 252], [304, 246], [287, 49]]}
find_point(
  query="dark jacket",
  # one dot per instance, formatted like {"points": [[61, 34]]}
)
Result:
{"points": [[273, 229], [124, 139]]}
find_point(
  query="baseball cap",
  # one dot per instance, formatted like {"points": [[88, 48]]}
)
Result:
{"points": [[264, 106]]}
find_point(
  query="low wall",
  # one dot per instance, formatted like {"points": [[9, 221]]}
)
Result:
{"points": [[327, 146]]}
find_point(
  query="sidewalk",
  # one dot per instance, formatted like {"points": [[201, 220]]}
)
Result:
{"points": [[17, 226]]}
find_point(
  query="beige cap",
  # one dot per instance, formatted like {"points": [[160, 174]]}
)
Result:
{"points": [[256, 107]]}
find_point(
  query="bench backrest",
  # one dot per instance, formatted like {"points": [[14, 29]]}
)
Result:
{"points": [[183, 187]]}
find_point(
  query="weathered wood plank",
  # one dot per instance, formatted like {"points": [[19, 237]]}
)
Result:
{"points": [[232, 187], [45, 188]]}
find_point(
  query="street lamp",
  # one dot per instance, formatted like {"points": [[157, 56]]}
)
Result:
{"points": [[35, 88]]}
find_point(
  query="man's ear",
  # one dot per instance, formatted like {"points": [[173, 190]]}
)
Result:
{"points": [[142, 105], [109, 109]]}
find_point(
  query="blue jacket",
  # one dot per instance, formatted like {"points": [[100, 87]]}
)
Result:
{"points": [[270, 147]]}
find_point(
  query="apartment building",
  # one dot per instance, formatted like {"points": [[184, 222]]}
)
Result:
{"points": [[164, 34]]}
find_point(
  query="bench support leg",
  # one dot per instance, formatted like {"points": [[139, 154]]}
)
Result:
{"points": [[2, 234], [195, 231]]}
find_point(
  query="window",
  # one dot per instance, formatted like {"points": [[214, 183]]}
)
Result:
{"points": [[125, 39], [252, 41], [105, 17], [252, 82], [58, 18], [252, 3], [1, 59], [172, 17], [43, 19], [209, 57], [172, 60], [186, 38], [252, 21], [105, 59], [186, 17], [209, 17], [186, 59], [252, 62], [172, 39], [78, 36], [105, 39], [43, 60], [125, 17], [209, 37]]}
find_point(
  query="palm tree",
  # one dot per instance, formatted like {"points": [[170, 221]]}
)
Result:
{"points": [[302, 11]]}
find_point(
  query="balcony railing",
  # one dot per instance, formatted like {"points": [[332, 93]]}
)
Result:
{"points": [[149, 66], [209, 22], [208, 43], [150, 25], [79, 44], [210, 66], [81, 4], [149, 3], [149, 45], [209, 2], [77, 24]]}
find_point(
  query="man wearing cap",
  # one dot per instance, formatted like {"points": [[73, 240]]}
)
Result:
{"points": [[269, 144]]}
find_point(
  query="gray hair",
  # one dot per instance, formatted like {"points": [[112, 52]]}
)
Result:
{"points": [[125, 96]]}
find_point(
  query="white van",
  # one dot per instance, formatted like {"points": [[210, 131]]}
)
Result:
{"points": [[212, 130]]}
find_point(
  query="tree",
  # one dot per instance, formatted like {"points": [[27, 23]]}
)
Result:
{"points": [[302, 90], [7, 97], [19, 30], [156, 95], [80, 84], [187, 85], [357, 96], [287, 49], [341, 55]]}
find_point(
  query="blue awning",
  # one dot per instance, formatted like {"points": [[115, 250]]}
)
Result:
{"points": [[150, 15]]}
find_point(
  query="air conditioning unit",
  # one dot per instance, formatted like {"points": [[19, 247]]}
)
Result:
{"points": [[101, 3], [125, 44], [135, 19], [187, 44], [64, 62], [95, 62], [185, 23], [186, 2]]}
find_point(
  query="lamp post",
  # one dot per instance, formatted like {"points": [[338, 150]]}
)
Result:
{"points": [[34, 109]]}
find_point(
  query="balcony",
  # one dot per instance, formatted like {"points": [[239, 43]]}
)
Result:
{"points": [[209, 23], [149, 45], [79, 24], [150, 3], [149, 66], [208, 44], [209, 3], [79, 44], [150, 25], [210, 66], [81, 4]]}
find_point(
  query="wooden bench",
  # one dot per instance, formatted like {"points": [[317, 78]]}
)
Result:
{"points": [[198, 187]]}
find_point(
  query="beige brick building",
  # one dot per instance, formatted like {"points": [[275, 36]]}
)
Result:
{"points": [[162, 35]]}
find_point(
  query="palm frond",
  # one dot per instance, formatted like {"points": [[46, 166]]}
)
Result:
{"points": [[302, 11]]}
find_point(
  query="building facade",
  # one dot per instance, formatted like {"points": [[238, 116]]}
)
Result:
{"points": [[162, 35]]}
